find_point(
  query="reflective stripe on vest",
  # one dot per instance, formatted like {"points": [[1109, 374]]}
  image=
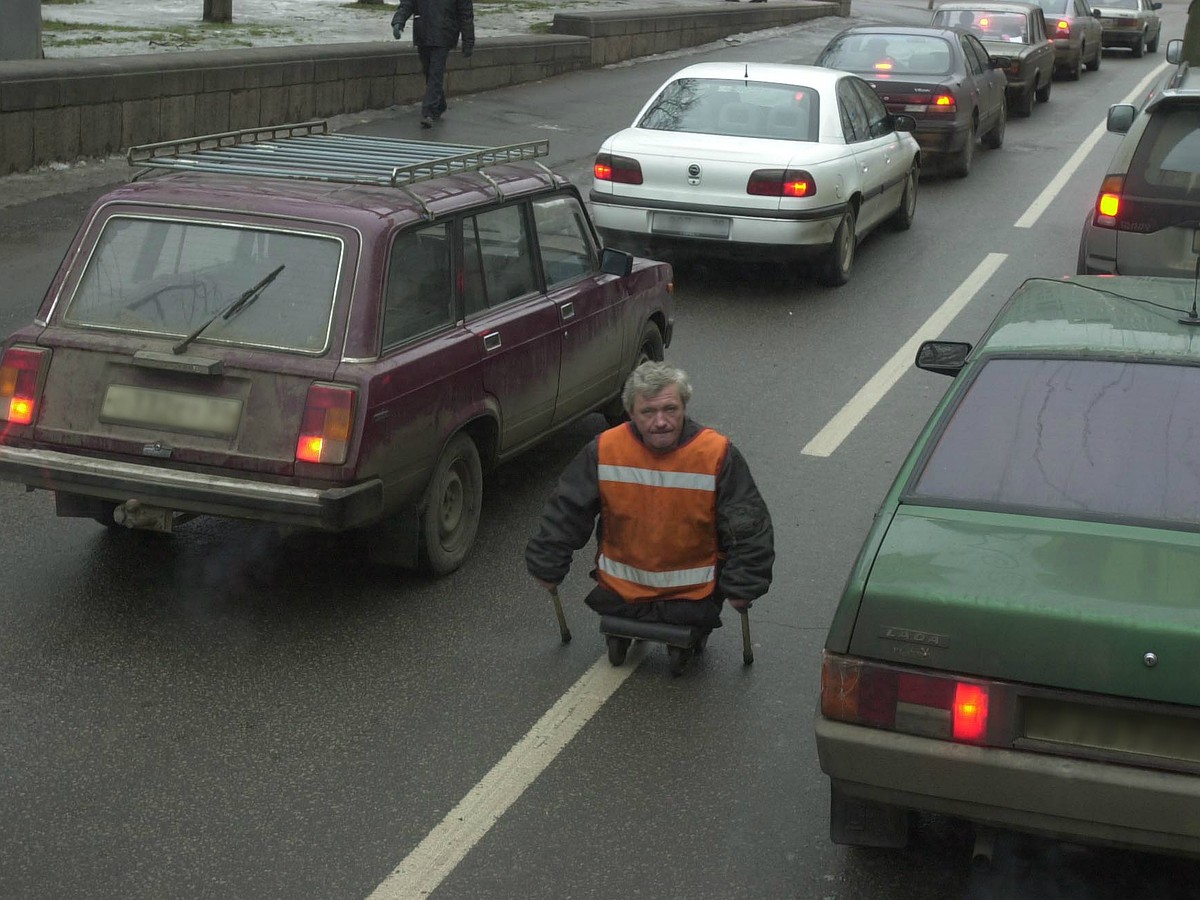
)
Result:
{"points": [[659, 516]]}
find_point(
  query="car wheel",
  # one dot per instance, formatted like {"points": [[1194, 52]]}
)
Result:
{"points": [[994, 139], [839, 258], [451, 510], [902, 219], [961, 167], [1076, 71], [1139, 47], [1043, 93], [1024, 107], [1094, 65], [650, 347], [1152, 47]]}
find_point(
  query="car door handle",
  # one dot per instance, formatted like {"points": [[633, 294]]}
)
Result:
{"points": [[491, 341], [568, 311]]}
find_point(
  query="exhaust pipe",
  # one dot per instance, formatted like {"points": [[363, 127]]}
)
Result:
{"points": [[985, 846]]}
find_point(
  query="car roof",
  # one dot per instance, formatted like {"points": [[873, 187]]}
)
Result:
{"points": [[944, 31], [1182, 84], [816, 77], [998, 5], [1091, 315]]}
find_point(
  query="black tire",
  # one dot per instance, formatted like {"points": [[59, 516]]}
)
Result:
{"points": [[1043, 93], [650, 347], [1076, 71], [678, 658], [902, 218], [1139, 48], [1024, 104], [450, 516], [1152, 47], [1094, 65], [961, 165], [994, 139], [617, 648], [834, 268]]}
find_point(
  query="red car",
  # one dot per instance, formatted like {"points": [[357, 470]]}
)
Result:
{"points": [[323, 330]]}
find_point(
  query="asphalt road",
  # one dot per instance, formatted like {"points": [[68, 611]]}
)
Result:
{"points": [[235, 712]]}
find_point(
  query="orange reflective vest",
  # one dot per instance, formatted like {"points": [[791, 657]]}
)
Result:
{"points": [[659, 516]]}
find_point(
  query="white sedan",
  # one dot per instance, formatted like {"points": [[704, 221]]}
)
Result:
{"points": [[737, 158]]}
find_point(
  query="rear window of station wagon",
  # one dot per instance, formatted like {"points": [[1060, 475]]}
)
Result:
{"points": [[1073, 438], [170, 276]]}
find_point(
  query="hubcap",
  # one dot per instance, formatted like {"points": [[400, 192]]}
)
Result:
{"points": [[450, 513]]}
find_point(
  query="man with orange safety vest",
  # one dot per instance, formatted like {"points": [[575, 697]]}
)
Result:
{"points": [[682, 524]]}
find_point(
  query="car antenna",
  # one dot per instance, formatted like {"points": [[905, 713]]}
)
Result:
{"points": [[746, 71], [1192, 318]]}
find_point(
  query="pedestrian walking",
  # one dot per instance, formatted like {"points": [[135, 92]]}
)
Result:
{"points": [[682, 526], [437, 26]]}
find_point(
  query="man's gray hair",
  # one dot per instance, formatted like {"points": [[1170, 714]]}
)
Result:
{"points": [[651, 378]]}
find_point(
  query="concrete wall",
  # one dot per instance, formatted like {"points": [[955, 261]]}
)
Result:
{"points": [[60, 110], [20, 29]]}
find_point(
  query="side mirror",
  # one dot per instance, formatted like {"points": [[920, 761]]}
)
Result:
{"points": [[1156, 6], [1001, 62], [1120, 117], [903, 122], [1175, 52], [943, 357], [615, 262], [1096, 14]]}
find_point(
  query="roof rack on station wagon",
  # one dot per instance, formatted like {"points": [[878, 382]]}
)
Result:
{"points": [[309, 151]]}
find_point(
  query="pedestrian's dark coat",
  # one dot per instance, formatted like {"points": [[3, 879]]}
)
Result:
{"points": [[438, 23]]}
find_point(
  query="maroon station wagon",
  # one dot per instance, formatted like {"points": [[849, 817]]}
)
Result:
{"points": [[322, 330]]}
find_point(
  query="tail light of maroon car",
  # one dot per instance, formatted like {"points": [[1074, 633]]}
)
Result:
{"points": [[895, 698], [20, 383], [1062, 29], [618, 169], [781, 183], [327, 424], [1108, 202]]}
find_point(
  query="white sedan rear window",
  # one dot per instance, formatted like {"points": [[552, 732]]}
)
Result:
{"points": [[169, 277], [740, 108]]}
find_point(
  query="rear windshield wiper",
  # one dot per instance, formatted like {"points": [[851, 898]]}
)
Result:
{"points": [[231, 310]]}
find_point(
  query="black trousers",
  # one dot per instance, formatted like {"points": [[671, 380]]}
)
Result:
{"points": [[433, 64], [704, 613]]}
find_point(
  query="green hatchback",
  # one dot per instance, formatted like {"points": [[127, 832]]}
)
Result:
{"points": [[1018, 644]]}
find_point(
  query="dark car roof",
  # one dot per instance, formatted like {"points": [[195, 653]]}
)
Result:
{"points": [[945, 31], [1094, 315], [353, 205], [998, 5]]}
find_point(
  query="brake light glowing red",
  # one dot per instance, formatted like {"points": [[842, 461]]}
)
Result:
{"points": [[617, 169], [20, 372], [1108, 203], [781, 183], [970, 712], [326, 425], [897, 698]]}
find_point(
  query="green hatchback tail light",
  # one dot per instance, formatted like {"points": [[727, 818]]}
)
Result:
{"points": [[907, 700]]}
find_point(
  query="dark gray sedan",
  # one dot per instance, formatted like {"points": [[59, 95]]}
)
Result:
{"points": [[942, 77], [1015, 32]]}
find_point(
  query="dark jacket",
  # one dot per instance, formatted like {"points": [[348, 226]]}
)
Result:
{"points": [[744, 531], [438, 23]]}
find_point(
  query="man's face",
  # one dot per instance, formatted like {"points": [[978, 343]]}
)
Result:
{"points": [[659, 418]]}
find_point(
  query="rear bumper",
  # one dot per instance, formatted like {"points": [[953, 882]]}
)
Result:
{"points": [[328, 509], [948, 138], [1052, 795], [1121, 37]]}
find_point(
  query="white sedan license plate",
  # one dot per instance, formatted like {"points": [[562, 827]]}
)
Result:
{"points": [[171, 410], [690, 226]]}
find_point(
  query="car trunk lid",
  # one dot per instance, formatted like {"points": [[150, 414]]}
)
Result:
{"points": [[1053, 602]]}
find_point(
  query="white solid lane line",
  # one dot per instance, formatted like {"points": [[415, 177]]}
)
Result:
{"points": [[1059, 181], [847, 418], [464, 826]]}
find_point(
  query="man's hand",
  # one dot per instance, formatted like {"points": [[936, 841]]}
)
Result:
{"points": [[741, 605], [468, 49], [397, 30]]}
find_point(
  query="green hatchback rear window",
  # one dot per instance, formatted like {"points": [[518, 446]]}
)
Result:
{"points": [[1077, 438]]}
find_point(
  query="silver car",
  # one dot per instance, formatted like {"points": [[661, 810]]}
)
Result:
{"points": [[1146, 219], [1076, 33], [1131, 23]]}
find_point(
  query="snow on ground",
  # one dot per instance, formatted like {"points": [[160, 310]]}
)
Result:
{"points": [[77, 28]]}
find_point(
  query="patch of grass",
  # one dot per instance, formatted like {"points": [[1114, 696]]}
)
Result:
{"points": [[515, 5], [541, 27], [75, 34], [377, 9], [62, 2]]}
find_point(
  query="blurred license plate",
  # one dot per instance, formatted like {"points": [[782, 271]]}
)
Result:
{"points": [[1119, 730], [171, 410], [690, 226]]}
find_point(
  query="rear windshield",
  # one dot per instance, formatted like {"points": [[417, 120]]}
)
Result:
{"points": [[169, 277], [1120, 4], [1057, 7], [989, 25], [1166, 163], [895, 54], [743, 108], [1076, 438]]}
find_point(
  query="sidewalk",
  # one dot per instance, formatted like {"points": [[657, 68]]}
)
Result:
{"points": [[120, 27]]}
